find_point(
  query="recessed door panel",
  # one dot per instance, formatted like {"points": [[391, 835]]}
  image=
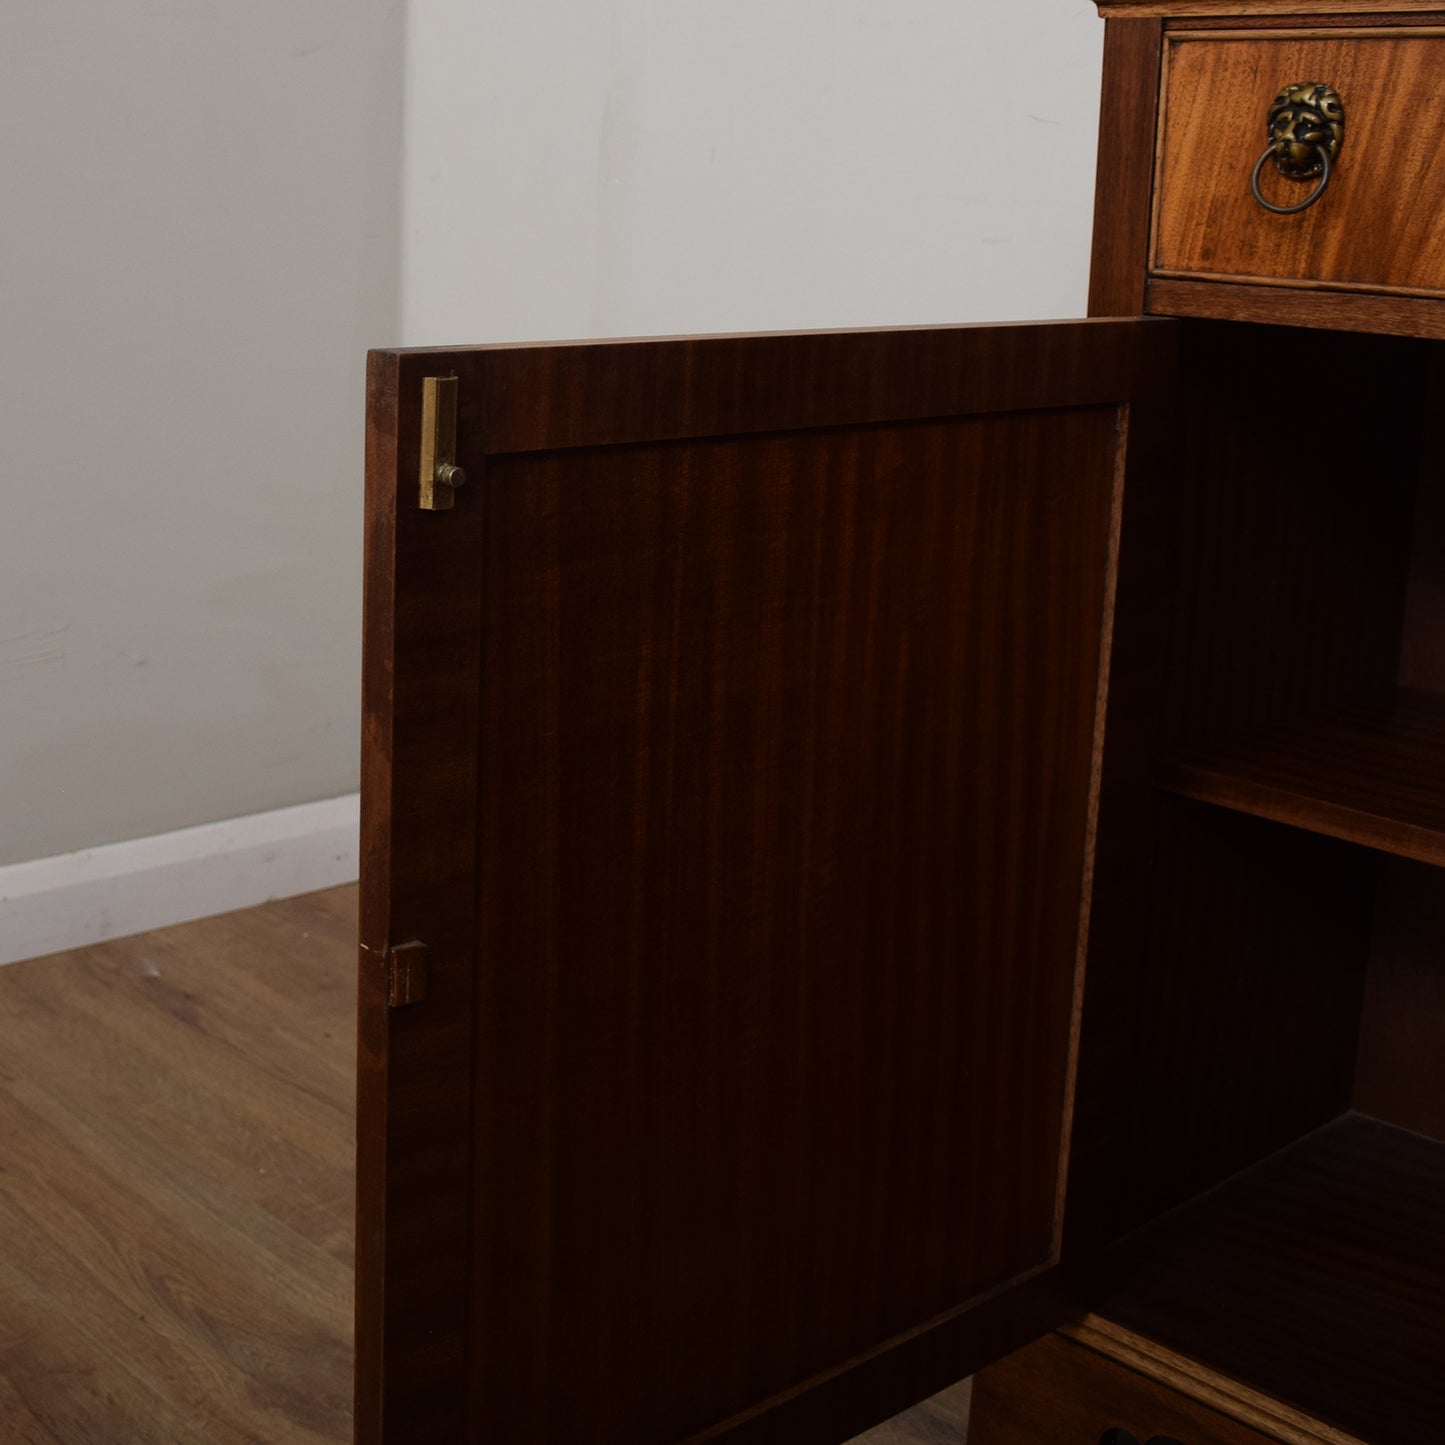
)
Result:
{"points": [[730, 746]]}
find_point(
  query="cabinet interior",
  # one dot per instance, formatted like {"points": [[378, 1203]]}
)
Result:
{"points": [[1260, 1125]]}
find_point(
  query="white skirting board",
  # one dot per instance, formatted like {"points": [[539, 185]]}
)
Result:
{"points": [[51, 904]]}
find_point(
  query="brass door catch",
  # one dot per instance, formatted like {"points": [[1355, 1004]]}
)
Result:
{"points": [[440, 474]]}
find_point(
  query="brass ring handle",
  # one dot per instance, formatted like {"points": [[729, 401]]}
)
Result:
{"points": [[1306, 128], [1308, 201]]}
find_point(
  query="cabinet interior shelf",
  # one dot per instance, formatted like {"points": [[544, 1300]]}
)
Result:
{"points": [[1318, 1277], [1372, 774]]}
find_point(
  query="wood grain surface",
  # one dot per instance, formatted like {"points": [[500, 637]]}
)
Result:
{"points": [[1318, 1277], [1251, 1408], [771, 720], [784, 647], [609, 393], [176, 1189], [1374, 227], [1057, 1392], [1372, 773], [1352, 18], [1124, 185], [420, 690], [175, 1196], [1313, 306]]}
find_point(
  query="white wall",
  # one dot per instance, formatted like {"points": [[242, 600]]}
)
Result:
{"points": [[632, 167], [209, 212], [198, 240]]}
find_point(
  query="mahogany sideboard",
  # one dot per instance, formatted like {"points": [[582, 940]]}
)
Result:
{"points": [[889, 850]]}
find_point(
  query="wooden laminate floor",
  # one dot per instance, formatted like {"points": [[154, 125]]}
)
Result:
{"points": [[176, 1173]]}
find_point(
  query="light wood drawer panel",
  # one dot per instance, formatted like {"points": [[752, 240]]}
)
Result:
{"points": [[1381, 224]]}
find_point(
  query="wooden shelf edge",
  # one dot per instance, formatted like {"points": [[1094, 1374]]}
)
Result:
{"points": [[1218, 784], [1285, 306], [1198, 1382]]}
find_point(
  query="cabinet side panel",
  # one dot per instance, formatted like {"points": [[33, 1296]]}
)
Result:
{"points": [[1124, 186], [1402, 1065], [1401, 1075]]}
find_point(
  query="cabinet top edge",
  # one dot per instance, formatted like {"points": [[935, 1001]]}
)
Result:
{"points": [[816, 334], [1183, 9]]}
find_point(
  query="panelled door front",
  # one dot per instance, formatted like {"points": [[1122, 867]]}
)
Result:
{"points": [[727, 805]]}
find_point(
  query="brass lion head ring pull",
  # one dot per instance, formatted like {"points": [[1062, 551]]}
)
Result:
{"points": [[1306, 129]]}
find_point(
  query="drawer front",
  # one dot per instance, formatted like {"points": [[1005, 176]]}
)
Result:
{"points": [[1380, 224], [1057, 1392]]}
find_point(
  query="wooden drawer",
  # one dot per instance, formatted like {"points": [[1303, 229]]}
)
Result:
{"points": [[1380, 226]]}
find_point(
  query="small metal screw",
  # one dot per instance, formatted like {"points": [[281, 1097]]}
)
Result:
{"points": [[450, 476]]}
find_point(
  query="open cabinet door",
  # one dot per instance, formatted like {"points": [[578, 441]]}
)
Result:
{"points": [[727, 813]]}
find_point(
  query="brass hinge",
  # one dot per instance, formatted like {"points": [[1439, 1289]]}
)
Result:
{"points": [[440, 474], [406, 974]]}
